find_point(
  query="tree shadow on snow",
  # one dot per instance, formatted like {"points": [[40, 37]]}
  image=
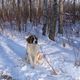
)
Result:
{"points": [[18, 49]]}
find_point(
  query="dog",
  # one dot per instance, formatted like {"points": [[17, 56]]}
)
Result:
{"points": [[34, 54]]}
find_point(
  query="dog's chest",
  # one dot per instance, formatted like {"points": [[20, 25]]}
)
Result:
{"points": [[32, 48]]}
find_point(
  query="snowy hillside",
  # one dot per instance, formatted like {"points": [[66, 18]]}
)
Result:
{"points": [[13, 64]]}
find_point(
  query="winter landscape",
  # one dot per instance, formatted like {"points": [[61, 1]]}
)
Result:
{"points": [[57, 27]]}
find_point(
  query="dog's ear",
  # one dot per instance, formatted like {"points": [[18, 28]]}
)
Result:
{"points": [[27, 39], [36, 40], [30, 39]]}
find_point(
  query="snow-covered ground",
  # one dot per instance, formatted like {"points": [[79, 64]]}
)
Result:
{"points": [[13, 53]]}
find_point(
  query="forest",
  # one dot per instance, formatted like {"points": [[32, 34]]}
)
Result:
{"points": [[49, 13]]}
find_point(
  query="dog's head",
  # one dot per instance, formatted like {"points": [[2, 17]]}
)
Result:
{"points": [[32, 39]]}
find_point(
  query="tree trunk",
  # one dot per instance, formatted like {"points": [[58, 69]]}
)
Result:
{"points": [[61, 15], [3, 10], [53, 21], [39, 13], [44, 17], [74, 11], [18, 16], [30, 12]]}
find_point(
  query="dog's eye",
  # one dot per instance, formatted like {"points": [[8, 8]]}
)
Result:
{"points": [[35, 41]]}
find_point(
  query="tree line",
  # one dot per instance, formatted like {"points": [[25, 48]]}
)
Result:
{"points": [[49, 13]]}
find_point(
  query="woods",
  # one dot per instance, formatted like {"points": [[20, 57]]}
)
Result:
{"points": [[49, 13]]}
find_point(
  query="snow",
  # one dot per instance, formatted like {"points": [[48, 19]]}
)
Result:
{"points": [[13, 53]]}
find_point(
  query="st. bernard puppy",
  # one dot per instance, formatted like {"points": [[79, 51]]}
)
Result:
{"points": [[33, 51]]}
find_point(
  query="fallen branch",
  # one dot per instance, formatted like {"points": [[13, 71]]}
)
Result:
{"points": [[54, 72]]}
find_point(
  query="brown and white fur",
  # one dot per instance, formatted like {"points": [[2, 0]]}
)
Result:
{"points": [[33, 50]]}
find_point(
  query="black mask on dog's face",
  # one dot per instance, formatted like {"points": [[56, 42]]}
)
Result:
{"points": [[32, 39]]}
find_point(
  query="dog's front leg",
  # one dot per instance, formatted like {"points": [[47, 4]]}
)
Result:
{"points": [[31, 60], [35, 59]]}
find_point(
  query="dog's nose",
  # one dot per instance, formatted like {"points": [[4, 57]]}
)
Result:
{"points": [[36, 41]]}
